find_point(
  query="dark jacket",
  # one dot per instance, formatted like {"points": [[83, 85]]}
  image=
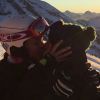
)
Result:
{"points": [[59, 81], [75, 80], [48, 82], [22, 82]]}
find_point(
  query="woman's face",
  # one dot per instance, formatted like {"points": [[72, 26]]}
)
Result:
{"points": [[34, 48]]}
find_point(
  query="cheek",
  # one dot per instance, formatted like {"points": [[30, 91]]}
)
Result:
{"points": [[32, 51], [35, 52]]}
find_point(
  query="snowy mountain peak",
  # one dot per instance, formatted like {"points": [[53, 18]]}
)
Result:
{"points": [[32, 8], [20, 13], [88, 12]]}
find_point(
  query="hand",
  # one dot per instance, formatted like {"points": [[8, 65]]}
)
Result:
{"points": [[59, 55], [94, 75]]}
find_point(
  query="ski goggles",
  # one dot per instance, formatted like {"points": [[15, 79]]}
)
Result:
{"points": [[38, 28]]}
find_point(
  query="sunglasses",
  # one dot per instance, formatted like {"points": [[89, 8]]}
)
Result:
{"points": [[40, 25]]}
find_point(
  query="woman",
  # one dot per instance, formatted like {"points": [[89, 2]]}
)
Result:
{"points": [[73, 79]]}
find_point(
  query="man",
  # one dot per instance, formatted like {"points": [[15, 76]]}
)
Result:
{"points": [[21, 64]]}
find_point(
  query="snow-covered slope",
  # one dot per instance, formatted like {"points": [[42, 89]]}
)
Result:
{"points": [[20, 13], [82, 16], [32, 8], [95, 22], [95, 62], [89, 15]]}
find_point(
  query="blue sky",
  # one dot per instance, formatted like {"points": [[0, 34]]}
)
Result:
{"points": [[76, 5]]}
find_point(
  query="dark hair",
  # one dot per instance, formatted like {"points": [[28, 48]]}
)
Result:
{"points": [[18, 52], [75, 35]]}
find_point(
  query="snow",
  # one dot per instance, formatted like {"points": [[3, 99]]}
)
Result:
{"points": [[97, 45], [44, 9], [2, 51], [95, 62], [15, 24], [21, 21], [95, 22]]}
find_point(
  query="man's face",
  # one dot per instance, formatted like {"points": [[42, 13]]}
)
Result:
{"points": [[34, 48]]}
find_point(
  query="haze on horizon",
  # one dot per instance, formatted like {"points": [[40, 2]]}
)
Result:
{"points": [[77, 6]]}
